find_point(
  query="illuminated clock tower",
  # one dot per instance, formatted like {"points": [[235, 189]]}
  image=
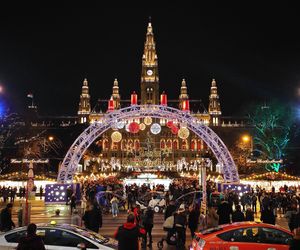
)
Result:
{"points": [[149, 77]]}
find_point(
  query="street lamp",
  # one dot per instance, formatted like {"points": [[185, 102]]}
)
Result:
{"points": [[50, 139]]}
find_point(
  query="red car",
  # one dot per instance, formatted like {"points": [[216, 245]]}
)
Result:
{"points": [[243, 236]]}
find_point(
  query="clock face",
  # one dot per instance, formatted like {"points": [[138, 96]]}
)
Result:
{"points": [[149, 72]]}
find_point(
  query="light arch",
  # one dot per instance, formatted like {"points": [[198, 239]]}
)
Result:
{"points": [[90, 134]]}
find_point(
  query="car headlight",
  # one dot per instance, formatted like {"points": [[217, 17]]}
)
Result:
{"points": [[201, 243]]}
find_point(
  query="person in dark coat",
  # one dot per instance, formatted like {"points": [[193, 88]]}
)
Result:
{"points": [[6, 222], [249, 214], [267, 216], [31, 241], [224, 211], [180, 221], [148, 224], [193, 219], [73, 203], [93, 218], [238, 215], [128, 234], [171, 208], [295, 243]]}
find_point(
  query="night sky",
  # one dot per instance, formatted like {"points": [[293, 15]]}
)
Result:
{"points": [[252, 51]]}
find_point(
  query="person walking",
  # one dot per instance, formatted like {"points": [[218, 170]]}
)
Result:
{"points": [[114, 206], [224, 211], [295, 243], [193, 219], [249, 214], [20, 215], [180, 222], [238, 215], [75, 218], [128, 234], [31, 241], [212, 218], [267, 216], [148, 225], [6, 222], [73, 203]]}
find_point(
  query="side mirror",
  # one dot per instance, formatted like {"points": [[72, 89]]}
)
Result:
{"points": [[81, 246]]}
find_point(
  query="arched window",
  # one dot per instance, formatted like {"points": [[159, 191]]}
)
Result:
{"points": [[199, 145], [105, 145], [193, 145], [169, 143], [184, 145], [162, 143], [136, 145], [123, 144], [114, 146], [175, 144]]}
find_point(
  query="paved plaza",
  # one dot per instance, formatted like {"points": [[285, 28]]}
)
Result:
{"points": [[41, 213]]}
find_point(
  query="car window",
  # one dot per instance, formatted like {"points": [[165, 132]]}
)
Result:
{"points": [[249, 234], [15, 237], [57, 237], [274, 236]]}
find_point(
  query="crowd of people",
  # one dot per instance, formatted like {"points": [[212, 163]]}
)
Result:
{"points": [[182, 214]]}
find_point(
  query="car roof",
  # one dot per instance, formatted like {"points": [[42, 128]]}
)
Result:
{"points": [[237, 225], [61, 226]]}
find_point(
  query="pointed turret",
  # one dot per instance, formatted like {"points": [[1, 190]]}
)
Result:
{"points": [[84, 109], [149, 77], [183, 97], [116, 95], [214, 108]]}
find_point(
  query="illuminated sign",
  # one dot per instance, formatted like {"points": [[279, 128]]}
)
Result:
{"points": [[18, 161], [260, 161]]}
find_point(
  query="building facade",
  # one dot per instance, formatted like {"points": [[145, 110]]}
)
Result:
{"points": [[142, 148]]}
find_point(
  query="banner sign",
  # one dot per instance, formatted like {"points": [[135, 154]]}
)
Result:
{"points": [[35, 161]]}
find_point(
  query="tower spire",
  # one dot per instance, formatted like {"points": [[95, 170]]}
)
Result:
{"points": [[149, 76], [116, 95], [183, 97], [214, 108], [84, 108]]}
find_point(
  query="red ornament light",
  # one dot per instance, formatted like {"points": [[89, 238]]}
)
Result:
{"points": [[186, 105], [134, 127], [133, 98], [174, 130], [110, 104], [170, 124], [163, 99]]}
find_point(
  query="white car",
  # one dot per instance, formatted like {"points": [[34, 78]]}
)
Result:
{"points": [[62, 237]]}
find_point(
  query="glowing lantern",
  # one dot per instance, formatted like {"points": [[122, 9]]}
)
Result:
{"points": [[183, 133], [155, 128], [163, 99], [142, 126], [110, 105], [133, 98], [169, 124], [116, 136], [148, 120], [134, 127], [174, 130], [186, 105]]}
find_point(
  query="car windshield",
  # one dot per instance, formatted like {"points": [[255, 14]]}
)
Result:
{"points": [[211, 230], [87, 233]]}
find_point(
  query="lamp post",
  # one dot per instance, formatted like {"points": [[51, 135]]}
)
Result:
{"points": [[50, 139]]}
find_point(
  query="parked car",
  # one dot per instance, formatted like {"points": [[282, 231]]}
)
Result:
{"points": [[62, 237], [244, 236]]}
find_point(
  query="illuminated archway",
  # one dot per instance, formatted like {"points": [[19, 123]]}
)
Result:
{"points": [[89, 135]]}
